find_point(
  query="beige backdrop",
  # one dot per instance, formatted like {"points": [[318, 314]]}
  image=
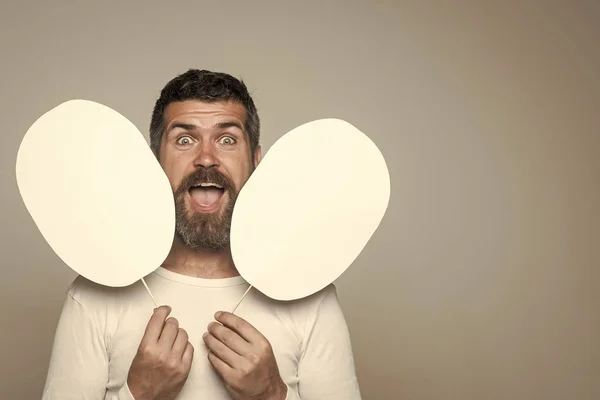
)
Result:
{"points": [[482, 281]]}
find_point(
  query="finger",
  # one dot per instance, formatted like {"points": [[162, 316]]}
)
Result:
{"points": [[169, 333], [240, 326], [180, 343], [220, 366], [230, 339], [223, 352], [188, 355], [155, 324]]}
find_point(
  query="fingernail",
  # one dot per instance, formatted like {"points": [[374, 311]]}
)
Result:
{"points": [[218, 315], [205, 335]]}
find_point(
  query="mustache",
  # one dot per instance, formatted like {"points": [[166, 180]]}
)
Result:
{"points": [[204, 175]]}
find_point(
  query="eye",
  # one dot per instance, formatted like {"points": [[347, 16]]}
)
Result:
{"points": [[227, 140], [184, 140]]}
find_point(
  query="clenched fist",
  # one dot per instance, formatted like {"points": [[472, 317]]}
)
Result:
{"points": [[244, 359], [163, 360]]}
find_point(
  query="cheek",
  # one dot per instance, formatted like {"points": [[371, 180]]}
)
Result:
{"points": [[174, 172], [241, 177], [238, 169]]}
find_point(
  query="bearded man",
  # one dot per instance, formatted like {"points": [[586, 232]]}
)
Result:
{"points": [[111, 344]]}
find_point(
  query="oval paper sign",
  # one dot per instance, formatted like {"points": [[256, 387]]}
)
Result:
{"points": [[309, 208], [96, 192]]}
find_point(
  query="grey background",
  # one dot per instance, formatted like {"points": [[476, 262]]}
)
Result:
{"points": [[482, 281]]}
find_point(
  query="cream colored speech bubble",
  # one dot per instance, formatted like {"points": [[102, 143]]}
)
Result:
{"points": [[309, 208], [96, 192]]}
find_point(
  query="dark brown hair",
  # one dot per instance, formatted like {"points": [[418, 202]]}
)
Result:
{"points": [[205, 86]]}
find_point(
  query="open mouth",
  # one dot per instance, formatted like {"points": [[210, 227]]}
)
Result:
{"points": [[206, 196]]}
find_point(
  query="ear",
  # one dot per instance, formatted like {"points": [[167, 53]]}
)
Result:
{"points": [[257, 155]]}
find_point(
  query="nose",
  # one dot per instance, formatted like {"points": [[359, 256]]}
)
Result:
{"points": [[206, 156]]}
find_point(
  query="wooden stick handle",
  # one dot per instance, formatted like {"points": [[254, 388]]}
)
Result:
{"points": [[240, 302], [149, 292]]}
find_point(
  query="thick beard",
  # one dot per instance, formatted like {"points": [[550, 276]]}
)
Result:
{"points": [[200, 231]]}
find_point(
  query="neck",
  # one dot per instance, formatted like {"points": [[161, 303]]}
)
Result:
{"points": [[208, 264]]}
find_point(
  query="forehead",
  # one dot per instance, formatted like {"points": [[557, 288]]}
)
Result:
{"points": [[201, 110]]}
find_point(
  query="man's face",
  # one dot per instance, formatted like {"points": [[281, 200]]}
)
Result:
{"points": [[206, 156]]}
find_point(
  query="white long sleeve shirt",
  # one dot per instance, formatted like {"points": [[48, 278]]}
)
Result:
{"points": [[100, 329]]}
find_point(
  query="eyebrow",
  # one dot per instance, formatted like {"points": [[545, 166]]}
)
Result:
{"points": [[220, 125], [187, 127], [229, 124]]}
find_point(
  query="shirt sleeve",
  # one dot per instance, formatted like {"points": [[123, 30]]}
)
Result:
{"points": [[326, 370], [78, 366]]}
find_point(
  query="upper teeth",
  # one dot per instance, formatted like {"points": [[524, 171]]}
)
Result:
{"points": [[210, 184]]}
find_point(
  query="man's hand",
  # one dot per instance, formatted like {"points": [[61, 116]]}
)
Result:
{"points": [[243, 357], [163, 360]]}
